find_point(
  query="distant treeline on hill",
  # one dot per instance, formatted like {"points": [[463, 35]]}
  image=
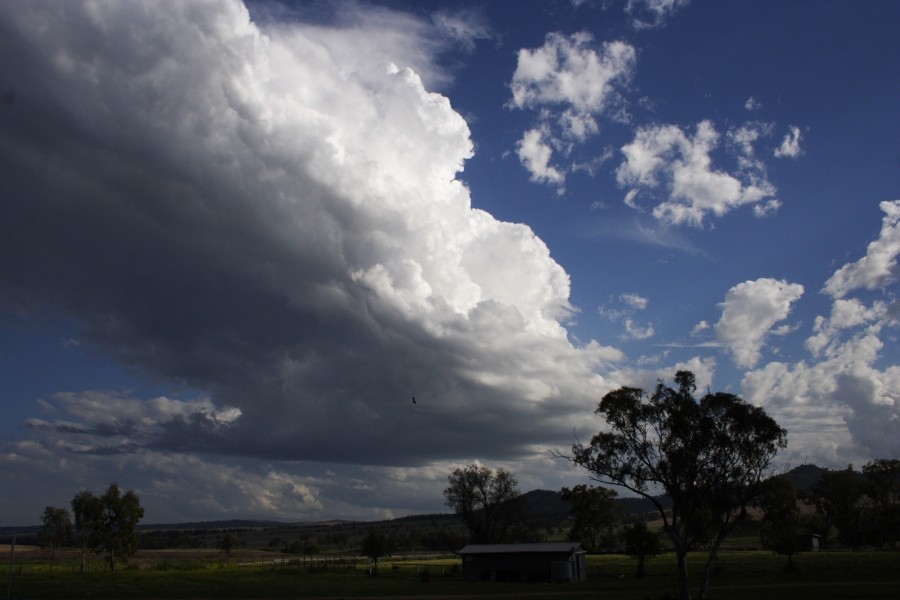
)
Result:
{"points": [[545, 504]]}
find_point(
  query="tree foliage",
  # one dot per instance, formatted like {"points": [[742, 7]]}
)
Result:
{"points": [[594, 512], [487, 501], [838, 500], [374, 546], [709, 456], [57, 530], [882, 486], [87, 510], [864, 507], [640, 543], [781, 529], [228, 542], [108, 523]]}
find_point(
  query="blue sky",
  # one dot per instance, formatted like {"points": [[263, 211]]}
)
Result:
{"points": [[237, 239]]}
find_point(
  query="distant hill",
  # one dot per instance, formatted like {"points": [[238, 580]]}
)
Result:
{"points": [[547, 504], [805, 477], [538, 504]]}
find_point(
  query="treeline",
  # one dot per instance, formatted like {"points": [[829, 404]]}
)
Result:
{"points": [[857, 509]]}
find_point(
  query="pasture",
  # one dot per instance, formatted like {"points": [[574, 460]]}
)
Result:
{"points": [[194, 574]]}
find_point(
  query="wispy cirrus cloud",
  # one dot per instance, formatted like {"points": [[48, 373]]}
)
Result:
{"points": [[652, 14]]}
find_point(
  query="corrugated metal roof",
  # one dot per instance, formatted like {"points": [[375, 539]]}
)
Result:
{"points": [[520, 548]]}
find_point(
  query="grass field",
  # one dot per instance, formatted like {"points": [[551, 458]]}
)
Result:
{"points": [[196, 574]]}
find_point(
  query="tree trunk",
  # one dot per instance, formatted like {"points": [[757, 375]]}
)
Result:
{"points": [[684, 588], [706, 571]]}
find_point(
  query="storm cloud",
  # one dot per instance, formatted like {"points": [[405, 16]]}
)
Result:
{"points": [[273, 217]]}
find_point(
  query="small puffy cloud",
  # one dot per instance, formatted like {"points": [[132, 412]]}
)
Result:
{"points": [[743, 139], [535, 154], [700, 327], [570, 81], [749, 311], [752, 104], [878, 267], [651, 14], [635, 301], [570, 71], [790, 145], [767, 208], [638, 332], [846, 314], [665, 157]]}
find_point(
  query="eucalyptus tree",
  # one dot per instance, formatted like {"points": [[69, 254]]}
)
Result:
{"points": [[641, 543], [57, 530], [594, 513], [709, 456], [487, 501], [108, 523]]}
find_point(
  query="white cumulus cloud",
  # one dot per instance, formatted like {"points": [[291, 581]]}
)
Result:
{"points": [[790, 145], [749, 311], [841, 405], [570, 81], [879, 266], [665, 157], [535, 155]]}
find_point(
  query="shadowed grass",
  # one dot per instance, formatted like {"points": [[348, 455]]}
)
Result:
{"points": [[740, 575]]}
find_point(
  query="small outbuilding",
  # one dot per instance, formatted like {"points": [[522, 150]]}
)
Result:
{"points": [[557, 562]]}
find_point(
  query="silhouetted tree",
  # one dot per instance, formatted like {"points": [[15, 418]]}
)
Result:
{"points": [[87, 509], [709, 456], [57, 530], [640, 543], [837, 497], [781, 528], [882, 486], [228, 542], [374, 546], [108, 523], [487, 501], [594, 511]]}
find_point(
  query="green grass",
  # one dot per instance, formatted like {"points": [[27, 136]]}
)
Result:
{"points": [[740, 576]]}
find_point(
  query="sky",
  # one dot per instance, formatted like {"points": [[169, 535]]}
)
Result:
{"points": [[237, 239]]}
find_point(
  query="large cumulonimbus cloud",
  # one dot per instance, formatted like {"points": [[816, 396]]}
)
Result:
{"points": [[273, 217]]}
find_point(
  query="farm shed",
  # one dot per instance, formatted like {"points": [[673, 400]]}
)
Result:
{"points": [[524, 562]]}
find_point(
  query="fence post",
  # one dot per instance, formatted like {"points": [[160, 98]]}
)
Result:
{"points": [[12, 551]]}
